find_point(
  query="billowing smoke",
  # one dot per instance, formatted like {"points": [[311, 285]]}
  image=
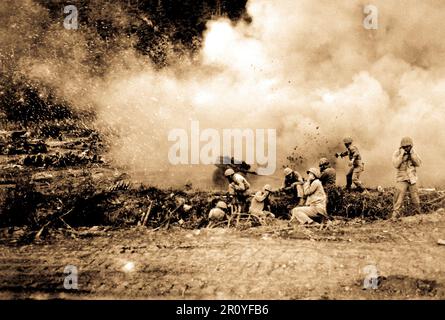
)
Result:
{"points": [[308, 69]]}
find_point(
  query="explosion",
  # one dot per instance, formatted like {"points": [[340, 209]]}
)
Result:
{"points": [[311, 71]]}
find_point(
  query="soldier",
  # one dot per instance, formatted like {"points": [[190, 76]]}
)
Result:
{"points": [[260, 203], [406, 160], [238, 187], [219, 212], [355, 163], [293, 185], [315, 206], [328, 179], [328, 174]]}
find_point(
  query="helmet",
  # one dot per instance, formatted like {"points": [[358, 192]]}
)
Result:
{"points": [[406, 141], [324, 162], [221, 205], [315, 172], [229, 172], [347, 140], [267, 187], [287, 171]]}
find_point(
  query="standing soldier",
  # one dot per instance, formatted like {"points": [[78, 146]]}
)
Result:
{"points": [[328, 179], [355, 163], [328, 174], [293, 185], [238, 187], [406, 160]]}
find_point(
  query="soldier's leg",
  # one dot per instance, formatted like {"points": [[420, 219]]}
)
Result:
{"points": [[399, 196], [415, 199], [303, 214], [349, 180], [244, 202], [356, 179]]}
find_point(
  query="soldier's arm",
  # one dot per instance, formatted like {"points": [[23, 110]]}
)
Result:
{"points": [[295, 184], [397, 159], [237, 184], [260, 196], [310, 188], [242, 184], [246, 184], [415, 159], [355, 153]]}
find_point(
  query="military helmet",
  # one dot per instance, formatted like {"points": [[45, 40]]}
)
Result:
{"points": [[229, 172], [221, 205], [324, 162], [315, 172], [267, 187], [406, 141], [347, 140], [287, 171]]}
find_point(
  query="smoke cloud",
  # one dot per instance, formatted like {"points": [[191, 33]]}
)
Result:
{"points": [[308, 69]]}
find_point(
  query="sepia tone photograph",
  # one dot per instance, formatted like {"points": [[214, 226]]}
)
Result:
{"points": [[222, 150]]}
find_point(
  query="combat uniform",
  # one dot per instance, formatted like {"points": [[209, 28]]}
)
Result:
{"points": [[259, 203], [328, 179], [406, 179], [239, 189], [293, 185], [315, 206], [357, 167]]}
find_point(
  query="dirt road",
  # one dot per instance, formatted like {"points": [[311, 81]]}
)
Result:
{"points": [[269, 262]]}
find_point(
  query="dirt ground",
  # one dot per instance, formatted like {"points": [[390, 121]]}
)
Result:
{"points": [[268, 262]]}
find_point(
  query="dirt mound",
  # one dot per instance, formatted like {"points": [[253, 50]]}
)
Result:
{"points": [[397, 284]]}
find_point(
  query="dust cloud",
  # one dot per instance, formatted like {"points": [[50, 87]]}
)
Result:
{"points": [[308, 69]]}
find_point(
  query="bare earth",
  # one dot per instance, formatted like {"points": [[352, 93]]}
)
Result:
{"points": [[269, 262]]}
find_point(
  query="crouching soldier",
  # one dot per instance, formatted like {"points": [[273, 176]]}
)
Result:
{"points": [[315, 206], [293, 185], [219, 212], [406, 160], [238, 188], [260, 205]]}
